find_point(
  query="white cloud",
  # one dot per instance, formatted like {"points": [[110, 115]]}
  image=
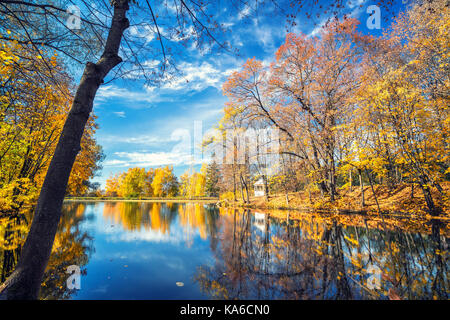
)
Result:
{"points": [[265, 36], [244, 13], [197, 77], [120, 114], [147, 236], [144, 98], [113, 91], [147, 140], [194, 77], [116, 163], [149, 159], [318, 28], [227, 24], [355, 3], [145, 32]]}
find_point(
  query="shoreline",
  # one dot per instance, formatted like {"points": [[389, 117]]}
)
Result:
{"points": [[388, 202], [174, 200], [395, 201]]}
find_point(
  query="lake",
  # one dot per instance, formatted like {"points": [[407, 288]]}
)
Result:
{"points": [[144, 250]]}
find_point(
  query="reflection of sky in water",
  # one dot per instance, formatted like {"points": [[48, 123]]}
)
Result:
{"points": [[141, 264], [145, 251]]}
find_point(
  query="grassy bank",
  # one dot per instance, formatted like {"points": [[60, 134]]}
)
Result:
{"points": [[396, 200]]}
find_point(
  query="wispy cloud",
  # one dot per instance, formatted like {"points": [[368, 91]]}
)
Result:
{"points": [[146, 32], [120, 114], [112, 91], [150, 159], [197, 76], [194, 77], [245, 12], [143, 140]]}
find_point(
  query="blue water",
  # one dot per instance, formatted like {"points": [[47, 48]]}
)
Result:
{"points": [[139, 250], [142, 263]]}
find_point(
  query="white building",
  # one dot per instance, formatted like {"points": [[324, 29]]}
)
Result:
{"points": [[259, 188], [260, 221]]}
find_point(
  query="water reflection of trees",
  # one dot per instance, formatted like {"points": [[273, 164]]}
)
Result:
{"points": [[12, 236], [260, 256], [135, 216], [72, 246], [311, 259]]}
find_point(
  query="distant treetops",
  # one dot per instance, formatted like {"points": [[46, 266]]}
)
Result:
{"points": [[162, 182]]}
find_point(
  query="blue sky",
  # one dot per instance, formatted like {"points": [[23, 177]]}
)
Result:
{"points": [[150, 126]]}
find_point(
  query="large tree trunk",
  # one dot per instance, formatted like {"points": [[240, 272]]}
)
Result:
{"points": [[246, 191], [25, 281], [241, 183], [433, 210], [373, 190]]}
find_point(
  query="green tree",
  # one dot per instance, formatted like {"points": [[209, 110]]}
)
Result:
{"points": [[212, 179]]}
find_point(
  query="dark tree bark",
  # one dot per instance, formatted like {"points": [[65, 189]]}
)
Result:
{"points": [[241, 184], [246, 191], [25, 281], [244, 187], [434, 211], [373, 190]]}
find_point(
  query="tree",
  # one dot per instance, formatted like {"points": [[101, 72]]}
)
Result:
{"points": [[37, 24], [304, 94], [32, 115], [165, 183], [402, 115], [346, 102], [24, 283], [112, 186], [193, 184], [132, 183], [212, 179], [313, 79]]}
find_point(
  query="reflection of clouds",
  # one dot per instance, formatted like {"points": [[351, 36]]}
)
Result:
{"points": [[154, 222], [145, 235], [101, 289], [158, 257]]}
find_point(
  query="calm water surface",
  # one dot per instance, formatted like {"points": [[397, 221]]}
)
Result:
{"points": [[133, 250]]}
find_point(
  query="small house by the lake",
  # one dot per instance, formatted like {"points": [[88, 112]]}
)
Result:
{"points": [[259, 188]]}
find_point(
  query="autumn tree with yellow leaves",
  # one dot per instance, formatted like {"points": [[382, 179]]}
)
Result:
{"points": [[348, 103], [33, 107], [138, 182], [401, 122], [193, 184]]}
